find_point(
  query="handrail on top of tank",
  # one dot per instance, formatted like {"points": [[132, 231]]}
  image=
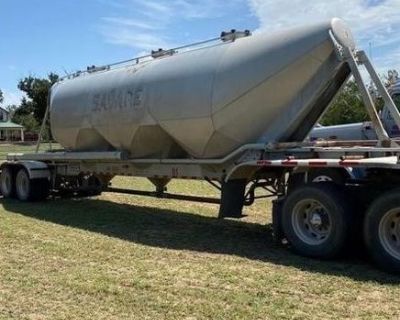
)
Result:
{"points": [[135, 59], [224, 37]]}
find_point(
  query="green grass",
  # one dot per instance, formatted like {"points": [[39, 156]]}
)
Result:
{"points": [[129, 257], [6, 148]]}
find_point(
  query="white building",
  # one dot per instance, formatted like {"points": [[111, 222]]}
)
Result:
{"points": [[9, 131]]}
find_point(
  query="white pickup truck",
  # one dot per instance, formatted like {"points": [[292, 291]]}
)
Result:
{"points": [[362, 130]]}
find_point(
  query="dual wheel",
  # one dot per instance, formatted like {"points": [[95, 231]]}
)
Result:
{"points": [[15, 182], [317, 220]]}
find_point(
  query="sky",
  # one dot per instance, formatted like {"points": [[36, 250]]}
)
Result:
{"points": [[62, 36]]}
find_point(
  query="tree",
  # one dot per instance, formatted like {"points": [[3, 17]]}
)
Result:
{"points": [[24, 115], [347, 108], [36, 90], [1, 97], [28, 121]]}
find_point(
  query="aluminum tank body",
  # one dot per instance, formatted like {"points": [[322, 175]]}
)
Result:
{"points": [[206, 102]]}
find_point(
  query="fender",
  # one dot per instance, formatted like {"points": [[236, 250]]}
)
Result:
{"points": [[35, 169], [350, 172]]}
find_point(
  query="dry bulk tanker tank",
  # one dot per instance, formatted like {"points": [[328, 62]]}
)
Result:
{"points": [[206, 102]]}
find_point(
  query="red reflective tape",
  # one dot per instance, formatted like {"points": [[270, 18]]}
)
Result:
{"points": [[349, 163], [289, 163], [264, 163]]}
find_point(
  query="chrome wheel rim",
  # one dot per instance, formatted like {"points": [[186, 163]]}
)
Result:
{"points": [[389, 232], [22, 185], [311, 221], [322, 178]]}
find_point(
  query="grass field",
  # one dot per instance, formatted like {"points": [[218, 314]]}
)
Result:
{"points": [[128, 257], [23, 147]]}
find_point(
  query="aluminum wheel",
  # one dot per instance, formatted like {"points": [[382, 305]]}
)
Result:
{"points": [[23, 185], [311, 221], [389, 232], [6, 182], [322, 178]]}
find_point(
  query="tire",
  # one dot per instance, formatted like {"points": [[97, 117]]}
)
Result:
{"points": [[7, 182], [316, 220], [326, 175], [30, 189], [382, 231], [295, 180]]}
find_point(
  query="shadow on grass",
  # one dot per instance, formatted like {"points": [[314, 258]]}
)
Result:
{"points": [[186, 231]]}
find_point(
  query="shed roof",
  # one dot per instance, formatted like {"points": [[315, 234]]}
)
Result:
{"points": [[10, 125]]}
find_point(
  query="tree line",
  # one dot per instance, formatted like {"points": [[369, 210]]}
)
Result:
{"points": [[32, 107], [348, 106]]}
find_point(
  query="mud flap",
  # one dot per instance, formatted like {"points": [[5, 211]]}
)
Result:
{"points": [[232, 199], [277, 230]]}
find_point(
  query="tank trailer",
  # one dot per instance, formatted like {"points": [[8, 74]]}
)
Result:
{"points": [[233, 111]]}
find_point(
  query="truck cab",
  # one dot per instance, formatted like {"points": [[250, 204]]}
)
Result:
{"points": [[391, 128], [361, 130]]}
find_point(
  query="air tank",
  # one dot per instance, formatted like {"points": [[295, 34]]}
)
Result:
{"points": [[204, 103]]}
